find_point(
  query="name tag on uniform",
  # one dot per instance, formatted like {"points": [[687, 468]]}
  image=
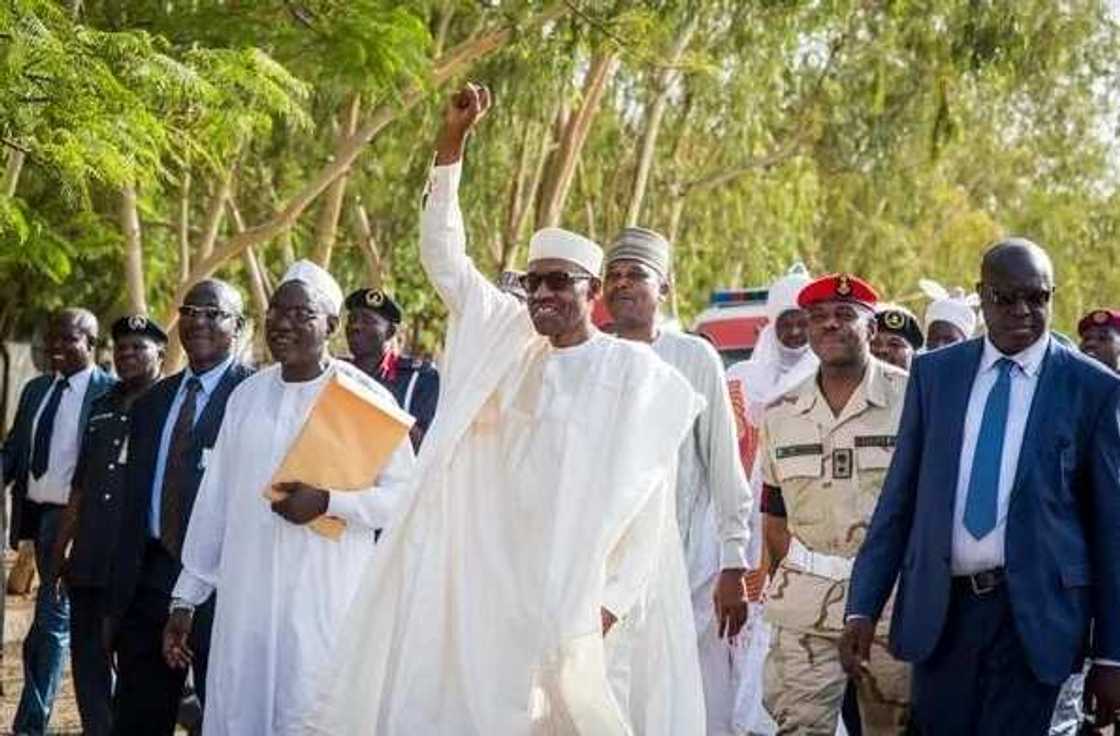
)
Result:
{"points": [[205, 459], [798, 450], [876, 440], [842, 463]]}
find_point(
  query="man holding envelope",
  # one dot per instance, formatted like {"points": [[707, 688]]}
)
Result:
{"points": [[311, 460]]}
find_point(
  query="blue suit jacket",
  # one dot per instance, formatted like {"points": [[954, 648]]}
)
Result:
{"points": [[17, 448], [1062, 552], [148, 416]]}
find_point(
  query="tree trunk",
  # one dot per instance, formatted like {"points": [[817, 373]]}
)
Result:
{"points": [[663, 83], [185, 227], [214, 215], [454, 62], [367, 243], [12, 172], [133, 253], [258, 289], [555, 193], [330, 209]]}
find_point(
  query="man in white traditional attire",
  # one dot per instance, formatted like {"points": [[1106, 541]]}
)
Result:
{"points": [[781, 360], [535, 583], [713, 498], [282, 588]]}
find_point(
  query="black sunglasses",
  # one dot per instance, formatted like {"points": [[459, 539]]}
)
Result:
{"points": [[554, 280], [210, 314], [1035, 298]]}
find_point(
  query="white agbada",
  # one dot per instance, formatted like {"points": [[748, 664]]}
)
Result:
{"points": [[713, 512], [544, 492], [771, 371], [282, 589]]}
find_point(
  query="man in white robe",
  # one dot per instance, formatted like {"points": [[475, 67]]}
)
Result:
{"points": [[282, 589], [535, 584], [781, 360], [713, 498]]}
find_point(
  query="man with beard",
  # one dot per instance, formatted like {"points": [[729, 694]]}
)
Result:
{"points": [[1100, 337], [997, 523], [93, 515], [713, 498], [781, 359], [283, 587], [535, 582], [42, 452], [174, 427], [897, 336], [825, 449], [372, 321]]}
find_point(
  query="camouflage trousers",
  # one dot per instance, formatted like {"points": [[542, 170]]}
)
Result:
{"points": [[804, 685]]}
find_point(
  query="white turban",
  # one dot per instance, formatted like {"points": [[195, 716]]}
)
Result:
{"points": [[554, 242], [954, 310], [318, 279], [783, 292]]}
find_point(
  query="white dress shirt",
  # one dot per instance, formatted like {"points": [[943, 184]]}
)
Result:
{"points": [[971, 555], [54, 485]]}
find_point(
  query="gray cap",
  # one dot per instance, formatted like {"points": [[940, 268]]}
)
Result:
{"points": [[642, 245]]}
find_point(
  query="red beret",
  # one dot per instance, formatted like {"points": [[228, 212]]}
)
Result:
{"points": [[1103, 317], [837, 287]]}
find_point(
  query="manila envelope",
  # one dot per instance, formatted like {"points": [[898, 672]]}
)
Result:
{"points": [[345, 442]]}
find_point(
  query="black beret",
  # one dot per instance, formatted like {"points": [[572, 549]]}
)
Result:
{"points": [[375, 301], [901, 322], [138, 324]]}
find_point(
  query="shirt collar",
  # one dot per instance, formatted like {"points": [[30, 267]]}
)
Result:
{"points": [[210, 378], [871, 390], [1029, 360], [79, 381]]}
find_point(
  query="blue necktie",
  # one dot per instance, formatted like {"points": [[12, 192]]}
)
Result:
{"points": [[41, 449], [983, 485]]}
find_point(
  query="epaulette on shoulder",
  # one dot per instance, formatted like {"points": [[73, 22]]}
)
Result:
{"points": [[783, 399]]}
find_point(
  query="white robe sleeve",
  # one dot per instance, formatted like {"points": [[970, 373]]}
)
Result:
{"points": [[202, 546], [443, 251], [719, 447], [376, 507], [630, 563]]}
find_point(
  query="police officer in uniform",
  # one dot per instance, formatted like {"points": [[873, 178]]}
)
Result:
{"points": [[372, 320], [93, 514], [825, 449], [897, 337]]}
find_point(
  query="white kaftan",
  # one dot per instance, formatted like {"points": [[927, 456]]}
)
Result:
{"points": [[544, 492], [282, 589], [713, 511]]}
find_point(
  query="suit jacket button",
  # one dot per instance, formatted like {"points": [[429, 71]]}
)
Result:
{"points": [[107, 497], [112, 466]]}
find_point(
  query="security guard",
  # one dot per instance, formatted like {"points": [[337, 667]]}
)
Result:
{"points": [[898, 335], [1099, 331], [825, 450], [372, 320], [93, 514]]}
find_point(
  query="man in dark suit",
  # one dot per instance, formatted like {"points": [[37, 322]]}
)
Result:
{"points": [[40, 457], [999, 520], [174, 426]]}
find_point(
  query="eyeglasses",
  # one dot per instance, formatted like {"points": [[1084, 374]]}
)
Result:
{"points": [[298, 315], [1035, 298], [210, 314], [554, 280]]}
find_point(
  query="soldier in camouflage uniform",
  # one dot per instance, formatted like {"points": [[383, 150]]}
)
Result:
{"points": [[826, 446]]}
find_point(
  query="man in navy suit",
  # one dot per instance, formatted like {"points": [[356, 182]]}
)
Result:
{"points": [[174, 426], [40, 458], [999, 519]]}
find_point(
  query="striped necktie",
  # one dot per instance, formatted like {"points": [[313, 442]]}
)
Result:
{"points": [[177, 473]]}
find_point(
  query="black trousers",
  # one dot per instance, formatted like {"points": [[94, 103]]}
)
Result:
{"points": [[146, 701], [89, 664], [978, 681]]}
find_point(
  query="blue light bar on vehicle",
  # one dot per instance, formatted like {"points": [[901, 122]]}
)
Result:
{"points": [[737, 297]]}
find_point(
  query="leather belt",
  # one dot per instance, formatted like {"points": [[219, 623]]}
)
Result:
{"points": [[980, 583]]}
